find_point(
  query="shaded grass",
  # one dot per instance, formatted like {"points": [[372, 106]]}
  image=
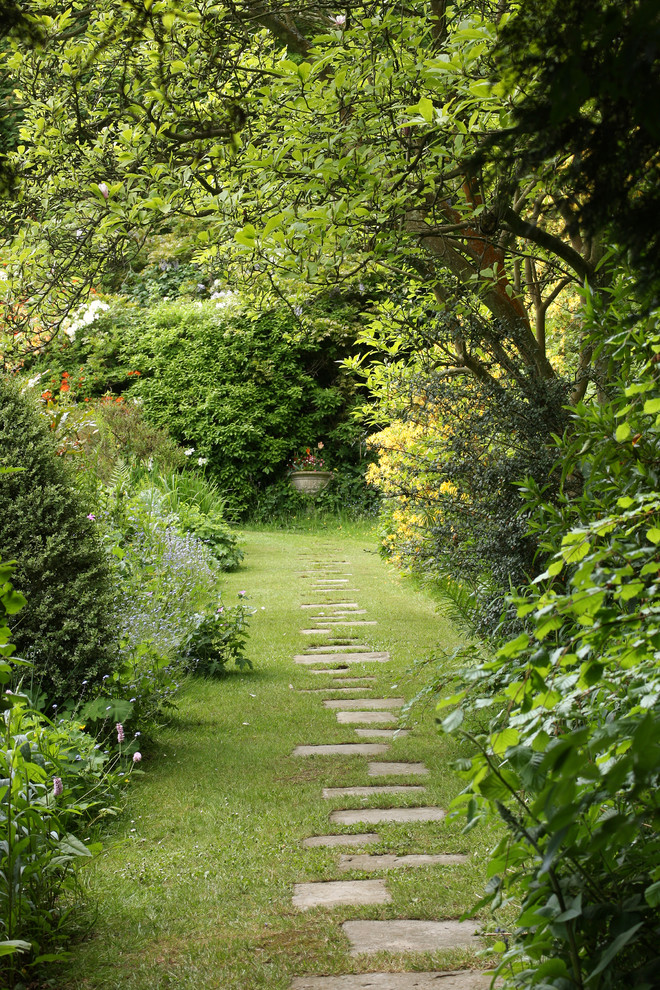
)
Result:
{"points": [[194, 887]]}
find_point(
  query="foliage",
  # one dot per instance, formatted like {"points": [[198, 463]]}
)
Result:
{"points": [[567, 727], [52, 778], [66, 629], [218, 637], [588, 109], [239, 391]]}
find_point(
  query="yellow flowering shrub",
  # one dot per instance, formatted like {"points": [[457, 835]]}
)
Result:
{"points": [[408, 474]]}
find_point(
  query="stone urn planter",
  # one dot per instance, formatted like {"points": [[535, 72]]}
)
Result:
{"points": [[310, 482]]}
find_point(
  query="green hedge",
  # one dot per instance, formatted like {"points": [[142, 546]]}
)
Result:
{"points": [[66, 628]]}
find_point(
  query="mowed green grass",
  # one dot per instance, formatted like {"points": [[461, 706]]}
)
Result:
{"points": [[194, 888]]}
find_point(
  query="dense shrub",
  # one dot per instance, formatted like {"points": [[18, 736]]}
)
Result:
{"points": [[241, 391], [66, 629], [566, 717]]}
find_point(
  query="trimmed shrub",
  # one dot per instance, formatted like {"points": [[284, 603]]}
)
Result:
{"points": [[66, 629]]}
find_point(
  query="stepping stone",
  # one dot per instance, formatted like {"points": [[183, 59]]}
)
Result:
{"points": [[342, 749], [327, 648], [397, 769], [331, 687], [361, 839], [390, 862], [353, 816], [315, 632], [409, 936], [332, 613], [334, 792], [330, 605], [368, 703], [348, 718], [307, 659], [381, 733], [332, 893], [456, 980], [348, 622], [331, 581], [357, 679]]}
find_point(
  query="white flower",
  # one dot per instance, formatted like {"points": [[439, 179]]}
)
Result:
{"points": [[189, 451], [202, 461], [103, 189], [340, 20]]}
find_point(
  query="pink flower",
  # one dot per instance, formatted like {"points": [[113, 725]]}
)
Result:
{"points": [[137, 757], [340, 20], [91, 516], [103, 189], [57, 786], [120, 732]]}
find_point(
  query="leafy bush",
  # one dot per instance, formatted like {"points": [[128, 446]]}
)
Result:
{"points": [[218, 637], [66, 630], [52, 778], [570, 758], [241, 391]]}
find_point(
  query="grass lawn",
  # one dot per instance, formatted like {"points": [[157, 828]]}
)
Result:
{"points": [[194, 887]]}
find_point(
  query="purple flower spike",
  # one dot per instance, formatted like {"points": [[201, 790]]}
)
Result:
{"points": [[137, 757], [120, 732], [57, 786]]}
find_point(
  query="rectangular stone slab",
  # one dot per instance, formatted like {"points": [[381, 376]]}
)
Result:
{"points": [[361, 839], [348, 622], [348, 718], [329, 605], [368, 703], [334, 792], [312, 632], [409, 936], [353, 816], [381, 733], [342, 749], [456, 980], [397, 769], [357, 680], [326, 648], [369, 863], [332, 893], [338, 690], [306, 658]]}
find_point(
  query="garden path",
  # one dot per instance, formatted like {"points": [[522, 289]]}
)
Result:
{"points": [[257, 788], [329, 604]]}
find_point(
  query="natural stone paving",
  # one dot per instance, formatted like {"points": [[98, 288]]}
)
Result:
{"points": [[360, 839], [343, 690], [343, 650], [332, 893], [456, 980], [366, 791], [348, 718], [387, 861], [396, 769], [373, 816], [327, 657], [408, 936], [382, 733], [367, 702], [346, 749]]}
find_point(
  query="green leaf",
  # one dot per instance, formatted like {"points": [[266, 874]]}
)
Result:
{"points": [[653, 534], [613, 949], [623, 431], [452, 721], [652, 894], [652, 406]]}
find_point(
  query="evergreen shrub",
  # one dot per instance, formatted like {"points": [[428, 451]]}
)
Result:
{"points": [[66, 628], [241, 391]]}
